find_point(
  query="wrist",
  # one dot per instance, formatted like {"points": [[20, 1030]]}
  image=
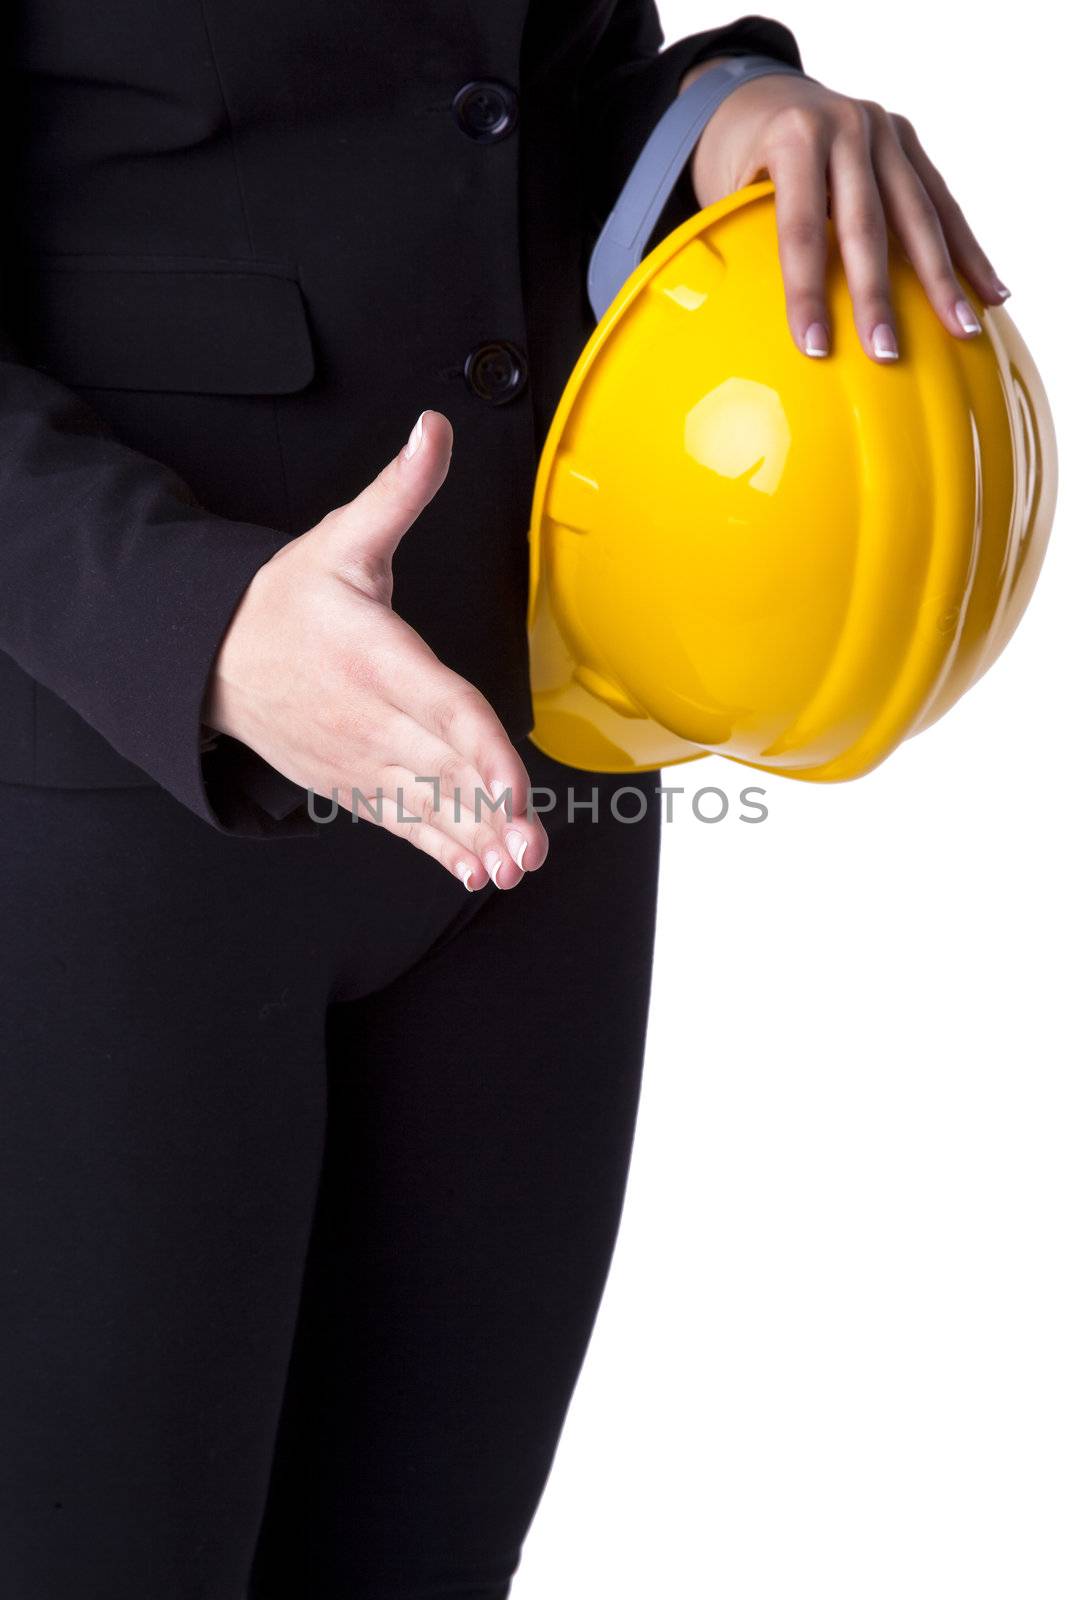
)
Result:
{"points": [[220, 711], [215, 713], [698, 71]]}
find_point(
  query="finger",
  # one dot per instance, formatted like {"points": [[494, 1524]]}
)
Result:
{"points": [[962, 244], [390, 806], [916, 223], [458, 714], [458, 784], [414, 807], [360, 538], [797, 166], [411, 682], [859, 222]]}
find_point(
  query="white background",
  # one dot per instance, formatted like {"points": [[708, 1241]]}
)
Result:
{"points": [[831, 1360]]}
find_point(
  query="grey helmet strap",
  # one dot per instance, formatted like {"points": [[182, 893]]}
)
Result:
{"points": [[655, 172]]}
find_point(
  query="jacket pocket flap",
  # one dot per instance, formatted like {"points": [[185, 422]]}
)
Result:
{"points": [[156, 323]]}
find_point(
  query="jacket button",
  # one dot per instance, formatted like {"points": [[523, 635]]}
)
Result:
{"points": [[496, 372], [486, 110]]}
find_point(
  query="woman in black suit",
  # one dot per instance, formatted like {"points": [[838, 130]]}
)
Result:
{"points": [[312, 1153]]}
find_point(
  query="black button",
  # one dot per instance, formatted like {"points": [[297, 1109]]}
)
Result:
{"points": [[486, 110], [496, 372]]}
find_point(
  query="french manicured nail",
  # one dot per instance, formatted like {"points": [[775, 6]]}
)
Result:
{"points": [[414, 438], [463, 872], [816, 341], [493, 864], [966, 318], [516, 844], [884, 342], [1002, 289], [498, 788]]}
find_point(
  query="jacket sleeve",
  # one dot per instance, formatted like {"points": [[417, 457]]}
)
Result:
{"points": [[116, 587], [630, 81]]}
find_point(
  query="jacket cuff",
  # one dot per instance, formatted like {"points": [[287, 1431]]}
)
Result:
{"points": [[249, 798], [161, 730], [633, 102]]}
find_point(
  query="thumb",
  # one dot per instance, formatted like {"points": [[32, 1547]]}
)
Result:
{"points": [[363, 534]]}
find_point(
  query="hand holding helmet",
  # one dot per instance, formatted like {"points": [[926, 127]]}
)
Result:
{"points": [[736, 549], [825, 150]]}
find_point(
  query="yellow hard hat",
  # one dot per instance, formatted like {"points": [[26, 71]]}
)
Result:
{"points": [[796, 563]]}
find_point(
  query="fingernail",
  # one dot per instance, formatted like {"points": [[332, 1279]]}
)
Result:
{"points": [[414, 437], [816, 341], [966, 318], [1002, 289], [493, 864], [516, 844], [463, 872], [884, 342], [497, 788]]}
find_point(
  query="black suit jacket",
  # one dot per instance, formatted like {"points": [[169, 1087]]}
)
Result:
{"points": [[250, 242]]}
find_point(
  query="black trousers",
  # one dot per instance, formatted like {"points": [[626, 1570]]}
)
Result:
{"points": [[311, 1167]]}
